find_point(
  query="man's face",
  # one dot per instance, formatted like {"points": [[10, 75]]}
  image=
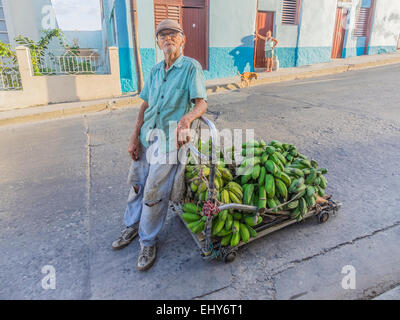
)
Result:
{"points": [[170, 41]]}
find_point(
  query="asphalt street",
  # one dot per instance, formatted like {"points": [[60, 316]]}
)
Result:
{"points": [[63, 193]]}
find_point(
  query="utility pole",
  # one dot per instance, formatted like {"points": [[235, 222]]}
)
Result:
{"points": [[135, 34]]}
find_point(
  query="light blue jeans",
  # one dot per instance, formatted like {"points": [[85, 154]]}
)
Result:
{"points": [[149, 206]]}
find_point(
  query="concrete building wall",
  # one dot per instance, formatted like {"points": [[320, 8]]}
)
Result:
{"points": [[386, 27], [317, 22], [231, 37]]}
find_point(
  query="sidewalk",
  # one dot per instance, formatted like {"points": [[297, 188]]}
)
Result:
{"points": [[53, 111], [393, 294]]}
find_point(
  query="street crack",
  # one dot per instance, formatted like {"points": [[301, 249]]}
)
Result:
{"points": [[293, 263]]}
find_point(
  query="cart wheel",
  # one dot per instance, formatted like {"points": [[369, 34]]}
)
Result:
{"points": [[230, 256], [323, 217]]}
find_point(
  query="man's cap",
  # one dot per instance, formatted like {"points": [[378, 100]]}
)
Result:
{"points": [[168, 24]]}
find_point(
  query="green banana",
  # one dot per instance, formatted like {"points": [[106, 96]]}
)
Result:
{"points": [[262, 198], [293, 205], [256, 172], [235, 239], [261, 178], [248, 194], [285, 178], [226, 240], [228, 222], [311, 177], [270, 185], [234, 198], [281, 188], [271, 167], [190, 207], [253, 233], [323, 182], [217, 227], [190, 217], [235, 188], [250, 220], [244, 233]]}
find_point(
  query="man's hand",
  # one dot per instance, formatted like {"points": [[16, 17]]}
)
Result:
{"points": [[134, 148], [183, 132]]}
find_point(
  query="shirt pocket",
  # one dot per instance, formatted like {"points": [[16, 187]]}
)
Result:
{"points": [[177, 98], [176, 106]]}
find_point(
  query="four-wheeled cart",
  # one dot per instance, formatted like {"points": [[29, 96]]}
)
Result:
{"points": [[271, 221]]}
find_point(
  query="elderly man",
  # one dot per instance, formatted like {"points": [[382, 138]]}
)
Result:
{"points": [[174, 94]]}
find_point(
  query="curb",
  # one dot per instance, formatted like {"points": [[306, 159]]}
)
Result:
{"points": [[61, 113], [113, 104]]}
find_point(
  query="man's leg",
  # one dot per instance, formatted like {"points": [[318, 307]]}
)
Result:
{"points": [[156, 197], [136, 180]]}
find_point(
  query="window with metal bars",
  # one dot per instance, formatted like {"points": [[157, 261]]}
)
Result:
{"points": [[167, 9], [361, 26], [290, 11]]}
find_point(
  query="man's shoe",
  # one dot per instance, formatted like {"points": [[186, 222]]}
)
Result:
{"points": [[147, 256], [127, 235]]}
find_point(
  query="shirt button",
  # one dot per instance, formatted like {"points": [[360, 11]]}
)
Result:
{"points": [[165, 80], [158, 112], [162, 97]]}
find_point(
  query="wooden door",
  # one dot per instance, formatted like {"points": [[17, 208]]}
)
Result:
{"points": [[195, 26], [264, 22], [339, 33]]}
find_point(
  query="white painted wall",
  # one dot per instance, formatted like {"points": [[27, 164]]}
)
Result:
{"points": [[317, 23], [231, 21], [145, 14], [386, 23]]}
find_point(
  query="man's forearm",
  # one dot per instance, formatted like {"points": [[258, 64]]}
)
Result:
{"points": [[199, 109], [139, 120]]}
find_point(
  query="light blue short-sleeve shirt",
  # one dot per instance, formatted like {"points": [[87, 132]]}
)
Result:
{"points": [[170, 95]]}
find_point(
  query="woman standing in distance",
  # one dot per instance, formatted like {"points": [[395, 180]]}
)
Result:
{"points": [[270, 44]]}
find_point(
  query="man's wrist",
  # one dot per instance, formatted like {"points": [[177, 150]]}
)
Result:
{"points": [[186, 120], [135, 137]]}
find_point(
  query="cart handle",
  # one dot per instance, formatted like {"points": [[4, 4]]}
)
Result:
{"points": [[237, 206], [213, 136]]}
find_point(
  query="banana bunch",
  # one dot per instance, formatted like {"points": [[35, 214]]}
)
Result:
{"points": [[193, 218], [268, 176], [276, 173], [234, 227]]}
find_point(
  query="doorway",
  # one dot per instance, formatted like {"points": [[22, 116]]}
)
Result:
{"points": [[195, 26], [264, 22], [339, 33]]}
